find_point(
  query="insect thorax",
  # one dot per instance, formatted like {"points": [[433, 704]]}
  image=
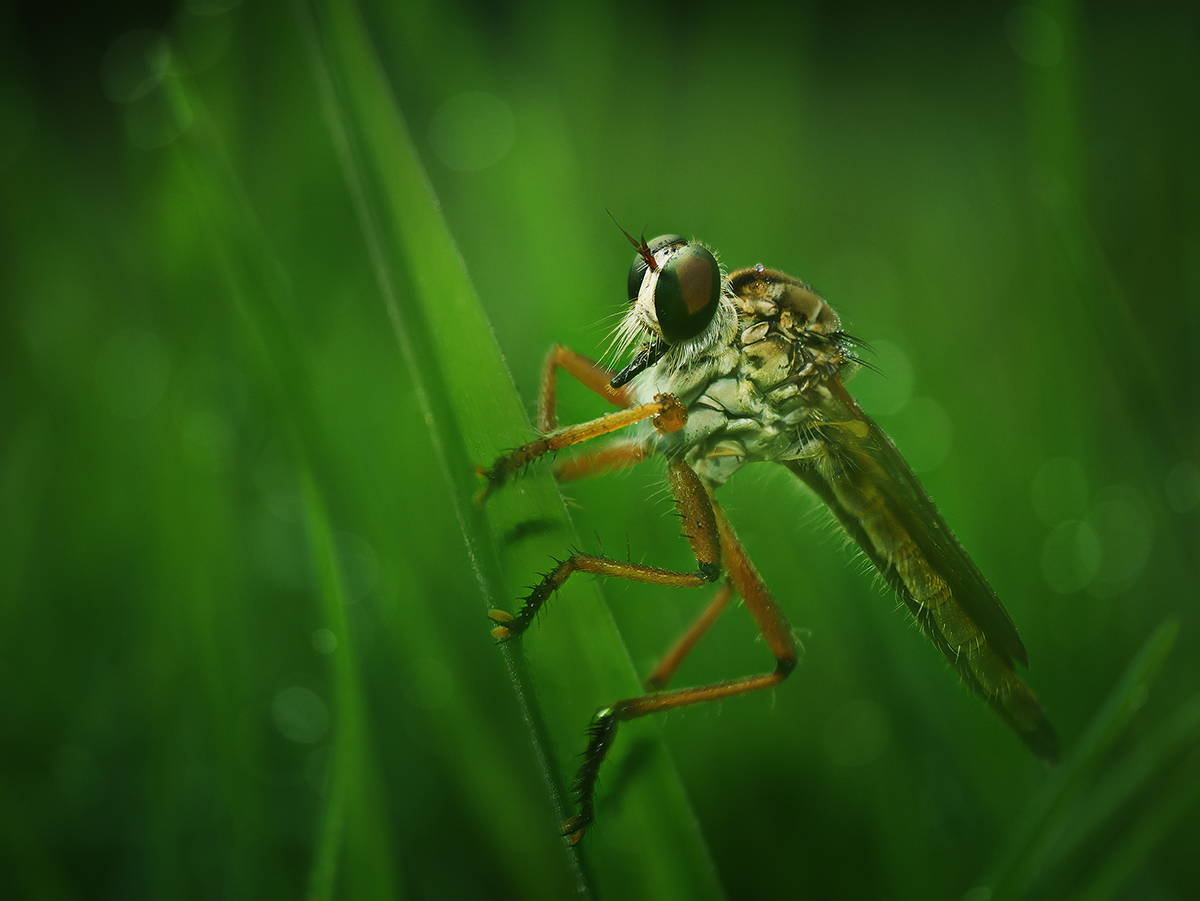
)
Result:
{"points": [[762, 392]]}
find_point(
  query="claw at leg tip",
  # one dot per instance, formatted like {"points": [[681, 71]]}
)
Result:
{"points": [[501, 632], [572, 831]]}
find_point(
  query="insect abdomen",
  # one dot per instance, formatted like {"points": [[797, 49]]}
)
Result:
{"points": [[865, 509]]}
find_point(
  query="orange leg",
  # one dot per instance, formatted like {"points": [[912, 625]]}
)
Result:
{"points": [[669, 414], [589, 373], [705, 526], [764, 609], [662, 674], [708, 531], [667, 411], [700, 529], [610, 458], [773, 626]]}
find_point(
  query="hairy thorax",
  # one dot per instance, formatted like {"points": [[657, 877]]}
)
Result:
{"points": [[757, 388]]}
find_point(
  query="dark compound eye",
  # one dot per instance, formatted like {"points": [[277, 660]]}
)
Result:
{"points": [[638, 270], [685, 297]]}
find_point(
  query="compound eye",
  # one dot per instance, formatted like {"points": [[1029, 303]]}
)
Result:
{"points": [[686, 295], [637, 271]]}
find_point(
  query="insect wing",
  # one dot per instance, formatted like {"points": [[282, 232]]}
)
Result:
{"points": [[862, 465]]}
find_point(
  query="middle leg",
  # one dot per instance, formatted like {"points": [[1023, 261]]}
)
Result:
{"points": [[772, 625], [700, 529]]}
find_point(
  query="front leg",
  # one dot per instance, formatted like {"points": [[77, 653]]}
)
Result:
{"points": [[589, 373], [666, 410]]}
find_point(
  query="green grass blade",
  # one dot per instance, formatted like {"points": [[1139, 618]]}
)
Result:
{"points": [[647, 844], [354, 826], [1141, 801], [1151, 824], [354, 823], [1033, 846]]}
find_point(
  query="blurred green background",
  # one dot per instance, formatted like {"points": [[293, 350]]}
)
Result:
{"points": [[242, 639]]}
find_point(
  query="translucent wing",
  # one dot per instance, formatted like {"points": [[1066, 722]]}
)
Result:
{"points": [[878, 500]]}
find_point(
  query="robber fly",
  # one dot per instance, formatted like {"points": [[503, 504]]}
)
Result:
{"points": [[734, 369]]}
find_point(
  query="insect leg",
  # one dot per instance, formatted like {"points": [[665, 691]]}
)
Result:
{"points": [[671, 660], [588, 372], [667, 411], [611, 458], [771, 624], [700, 529], [763, 608]]}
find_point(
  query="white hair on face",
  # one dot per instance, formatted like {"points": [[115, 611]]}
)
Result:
{"points": [[628, 332], [641, 323]]}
